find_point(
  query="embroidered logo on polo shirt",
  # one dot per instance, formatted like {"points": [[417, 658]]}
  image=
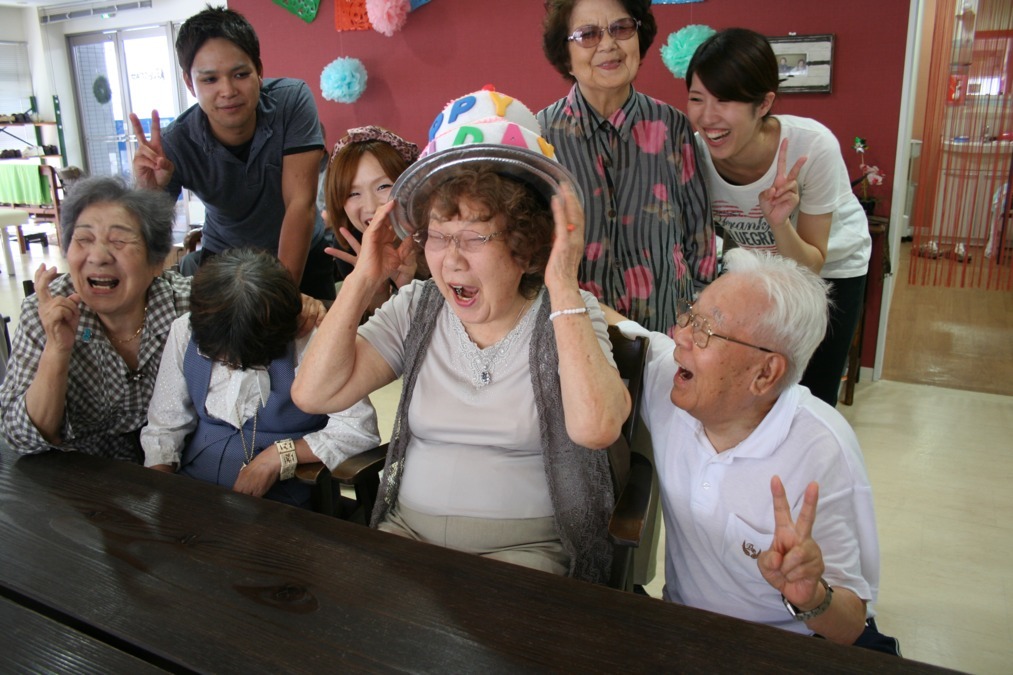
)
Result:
{"points": [[750, 550]]}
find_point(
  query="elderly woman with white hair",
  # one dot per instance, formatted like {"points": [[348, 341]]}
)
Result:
{"points": [[744, 454]]}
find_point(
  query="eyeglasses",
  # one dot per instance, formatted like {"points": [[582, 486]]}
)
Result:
{"points": [[590, 36], [231, 365], [466, 240], [702, 332]]}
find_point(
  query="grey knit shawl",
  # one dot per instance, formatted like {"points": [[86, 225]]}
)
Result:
{"points": [[579, 480]]}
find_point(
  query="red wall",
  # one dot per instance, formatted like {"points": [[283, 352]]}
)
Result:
{"points": [[452, 47]]}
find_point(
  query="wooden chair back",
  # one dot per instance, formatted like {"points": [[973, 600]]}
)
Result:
{"points": [[632, 473]]}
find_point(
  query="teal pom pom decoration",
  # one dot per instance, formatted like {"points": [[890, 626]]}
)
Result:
{"points": [[681, 46], [343, 80]]}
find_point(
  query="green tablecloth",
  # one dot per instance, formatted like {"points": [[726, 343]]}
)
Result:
{"points": [[23, 184]]}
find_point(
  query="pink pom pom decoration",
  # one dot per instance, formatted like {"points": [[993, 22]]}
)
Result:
{"points": [[388, 16]]}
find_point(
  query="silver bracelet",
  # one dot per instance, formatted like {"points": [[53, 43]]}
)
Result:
{"points": [[561, 312], [799, 615]]}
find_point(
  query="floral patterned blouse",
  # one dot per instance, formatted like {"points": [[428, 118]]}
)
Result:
{"points": [[650, 239]]}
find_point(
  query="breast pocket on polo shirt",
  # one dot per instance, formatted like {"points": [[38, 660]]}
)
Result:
{"points": [[743, 545], [263, 177]]}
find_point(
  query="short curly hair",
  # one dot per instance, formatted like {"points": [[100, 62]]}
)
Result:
{"points": [[528, 216], [556, 28], [244, 308]]}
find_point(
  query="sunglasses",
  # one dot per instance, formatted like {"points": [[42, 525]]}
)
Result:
{"points": [[590, 36]]}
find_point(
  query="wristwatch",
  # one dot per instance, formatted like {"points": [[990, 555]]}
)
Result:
{"points": [[799, 615], [286, 453]]}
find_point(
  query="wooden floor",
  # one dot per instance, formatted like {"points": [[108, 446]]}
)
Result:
{"points": [[960, 338]]}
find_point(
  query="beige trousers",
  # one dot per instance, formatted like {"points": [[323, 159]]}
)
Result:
{"points": [[529, 542]]}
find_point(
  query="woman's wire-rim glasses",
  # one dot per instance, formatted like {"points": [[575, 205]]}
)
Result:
{"points": [[467, 241], [589, 36], [702, 332]]}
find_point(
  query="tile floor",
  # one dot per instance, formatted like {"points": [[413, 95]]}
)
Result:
{"points": [[941, 474]]}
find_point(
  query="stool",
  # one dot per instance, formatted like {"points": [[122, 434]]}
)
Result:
{"points": [[25, 239], [10, 218]]}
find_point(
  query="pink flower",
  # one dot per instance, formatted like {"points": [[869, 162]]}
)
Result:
{"points": [[650, 136], [387, 16], [660, 192], [592, 288], [688, 163], [871, 176], [708, 265], [593, 250], [639, 282], [679, 262]]}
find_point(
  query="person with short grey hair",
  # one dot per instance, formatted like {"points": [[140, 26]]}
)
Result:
{"points": [[744, 454], [222, 409], [89, 342], [155, 213]]}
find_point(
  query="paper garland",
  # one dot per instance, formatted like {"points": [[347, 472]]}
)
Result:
{"points": [[304, 9]]}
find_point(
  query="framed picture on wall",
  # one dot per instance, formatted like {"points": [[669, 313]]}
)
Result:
{"points": [[804, 62]]}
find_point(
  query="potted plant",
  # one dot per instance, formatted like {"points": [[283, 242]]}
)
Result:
{"points": [[871, 177]]}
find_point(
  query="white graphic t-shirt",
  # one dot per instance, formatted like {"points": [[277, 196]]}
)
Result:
{"points": [[824, 187]]}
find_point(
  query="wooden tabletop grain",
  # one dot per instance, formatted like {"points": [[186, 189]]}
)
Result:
{"points": [[194, 577]]}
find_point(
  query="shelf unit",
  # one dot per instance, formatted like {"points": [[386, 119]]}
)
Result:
{"points": [[49, 180], [38, 129]]}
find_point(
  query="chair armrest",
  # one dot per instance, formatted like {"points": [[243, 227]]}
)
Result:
{"points": [[349, 472], [359, 467], [311, 472], [626, 527]]}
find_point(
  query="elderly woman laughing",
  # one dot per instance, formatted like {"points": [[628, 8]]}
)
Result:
{"points": [[509, 383], [89, 343]]}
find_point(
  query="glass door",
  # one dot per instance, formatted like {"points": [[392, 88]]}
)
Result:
{"points": [[116, 73]]}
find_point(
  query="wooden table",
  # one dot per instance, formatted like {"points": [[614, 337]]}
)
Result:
{"points": [[33, 643], [191, 577]]}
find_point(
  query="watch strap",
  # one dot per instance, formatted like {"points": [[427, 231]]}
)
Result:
{"points": [[289, 460], [799, 615]]}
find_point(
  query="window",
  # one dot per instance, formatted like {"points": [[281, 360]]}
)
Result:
{"points": [[15, 78]]}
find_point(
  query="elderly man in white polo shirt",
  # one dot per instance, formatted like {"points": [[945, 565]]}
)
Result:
{"points": [[746, 455]]}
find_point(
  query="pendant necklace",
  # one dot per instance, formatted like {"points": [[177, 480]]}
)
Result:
{"points": [[482, 366], [248, 452]]}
